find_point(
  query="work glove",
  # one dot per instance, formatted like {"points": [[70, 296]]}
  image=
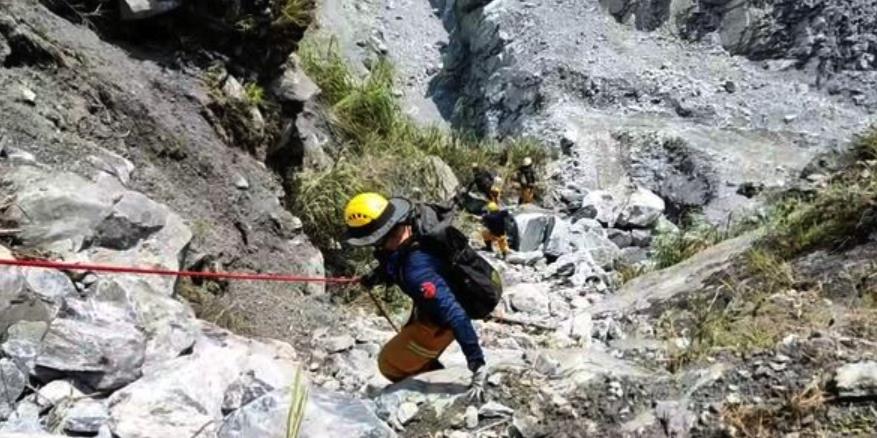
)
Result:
{"points": [[476, 388]]}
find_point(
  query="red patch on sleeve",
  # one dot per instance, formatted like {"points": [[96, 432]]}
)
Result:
{"points": [[428, 290]]}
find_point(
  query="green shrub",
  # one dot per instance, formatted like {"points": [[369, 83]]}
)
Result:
{"points": [[295, 12], [842, 214]]}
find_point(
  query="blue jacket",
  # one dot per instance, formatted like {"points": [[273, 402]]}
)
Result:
{"points": [[422, 268], [495, 222]]}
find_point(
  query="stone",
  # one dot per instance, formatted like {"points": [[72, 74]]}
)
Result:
{"points": [[493, 409], [441, 177], [243, 391], [27, 95], [641, 238], [327, 414], [545, 364], [407, 411], [675, 417], [241, 183], [84, 416], [54, 393], [294, 85], [13, 383], [580, 269], [132, 219], [25, 420], [529, 258], [855, 380], [566, 238], [106, 356], [471, 417], [620, 237], [532, 230], [529, 298], [437, 389], [140, 9], [526, 426], [642, 209], [50, 285], [578, 328], [178, 397], [634, 255], [337, 344], [23, 342], [603, 204]]}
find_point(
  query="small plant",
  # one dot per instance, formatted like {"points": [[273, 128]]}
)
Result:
{"points": [[295, 12], [254, 93], [297, 407], [841, 215]]}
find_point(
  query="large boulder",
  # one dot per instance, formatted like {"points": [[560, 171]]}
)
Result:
{"points": [[583, 235], [22, 342], [435, 390], [78, 220], [294, 86], [642, 209], [533, 230], [580, 270], [185, 395], [442, 177], [101, 354], [327, 414]]}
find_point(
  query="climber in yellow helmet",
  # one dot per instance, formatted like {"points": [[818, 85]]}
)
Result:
{"points": [[437, 318], [526, 179], [494, 221]]}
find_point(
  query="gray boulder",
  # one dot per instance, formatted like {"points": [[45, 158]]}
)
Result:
{"points": [[327, 414], [533, 230], [13, 382], [105, 356], [441, 176], [243, 391], [140, 9], [131, 220], [641, 210], [856, 380], [529, 298], [604, 206], [437, 389], [181, 396], [22, 342], [24, 422], [566, 238], [294, 86], [85, 416], [580, 269]]}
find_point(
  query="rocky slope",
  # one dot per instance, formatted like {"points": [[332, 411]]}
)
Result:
{"points": [[121, 152]]}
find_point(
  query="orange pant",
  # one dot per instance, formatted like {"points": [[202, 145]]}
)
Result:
{"points": [[502, 242], [527, 195], [414, 350]]}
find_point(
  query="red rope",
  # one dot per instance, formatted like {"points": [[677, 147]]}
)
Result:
{"points": [[33, 263]]}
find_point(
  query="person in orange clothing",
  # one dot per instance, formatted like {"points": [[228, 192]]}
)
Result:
{"points": [[437, 318], [494, 221]]}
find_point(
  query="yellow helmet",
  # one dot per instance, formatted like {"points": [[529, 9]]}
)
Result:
{"points": [[492, 207], [370, 217], [528, 161]]}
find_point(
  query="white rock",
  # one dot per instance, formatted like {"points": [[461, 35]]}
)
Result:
{"points": [[407, 411], [336, 344], [494, 410], [529, 298], [642, 209], [857, 379], [13, 383], [54, 393], [471, 417], [139, 9]]}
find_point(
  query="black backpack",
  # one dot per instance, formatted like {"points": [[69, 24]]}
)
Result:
{"points": [[475, 283]]}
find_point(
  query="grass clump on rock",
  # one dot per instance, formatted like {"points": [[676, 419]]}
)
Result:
{"points": [[381, 148], [840, 215]]}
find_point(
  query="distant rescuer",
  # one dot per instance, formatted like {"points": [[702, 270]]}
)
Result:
{"points": [[430, 261], [526, 178]]}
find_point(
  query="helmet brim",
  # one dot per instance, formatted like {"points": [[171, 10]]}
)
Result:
{"points": [[401, 209]]}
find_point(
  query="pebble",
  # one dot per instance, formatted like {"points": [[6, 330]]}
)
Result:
{"points": [[241, 183], [494, 410], [28, 95], [471, 417], [407, 411]]}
